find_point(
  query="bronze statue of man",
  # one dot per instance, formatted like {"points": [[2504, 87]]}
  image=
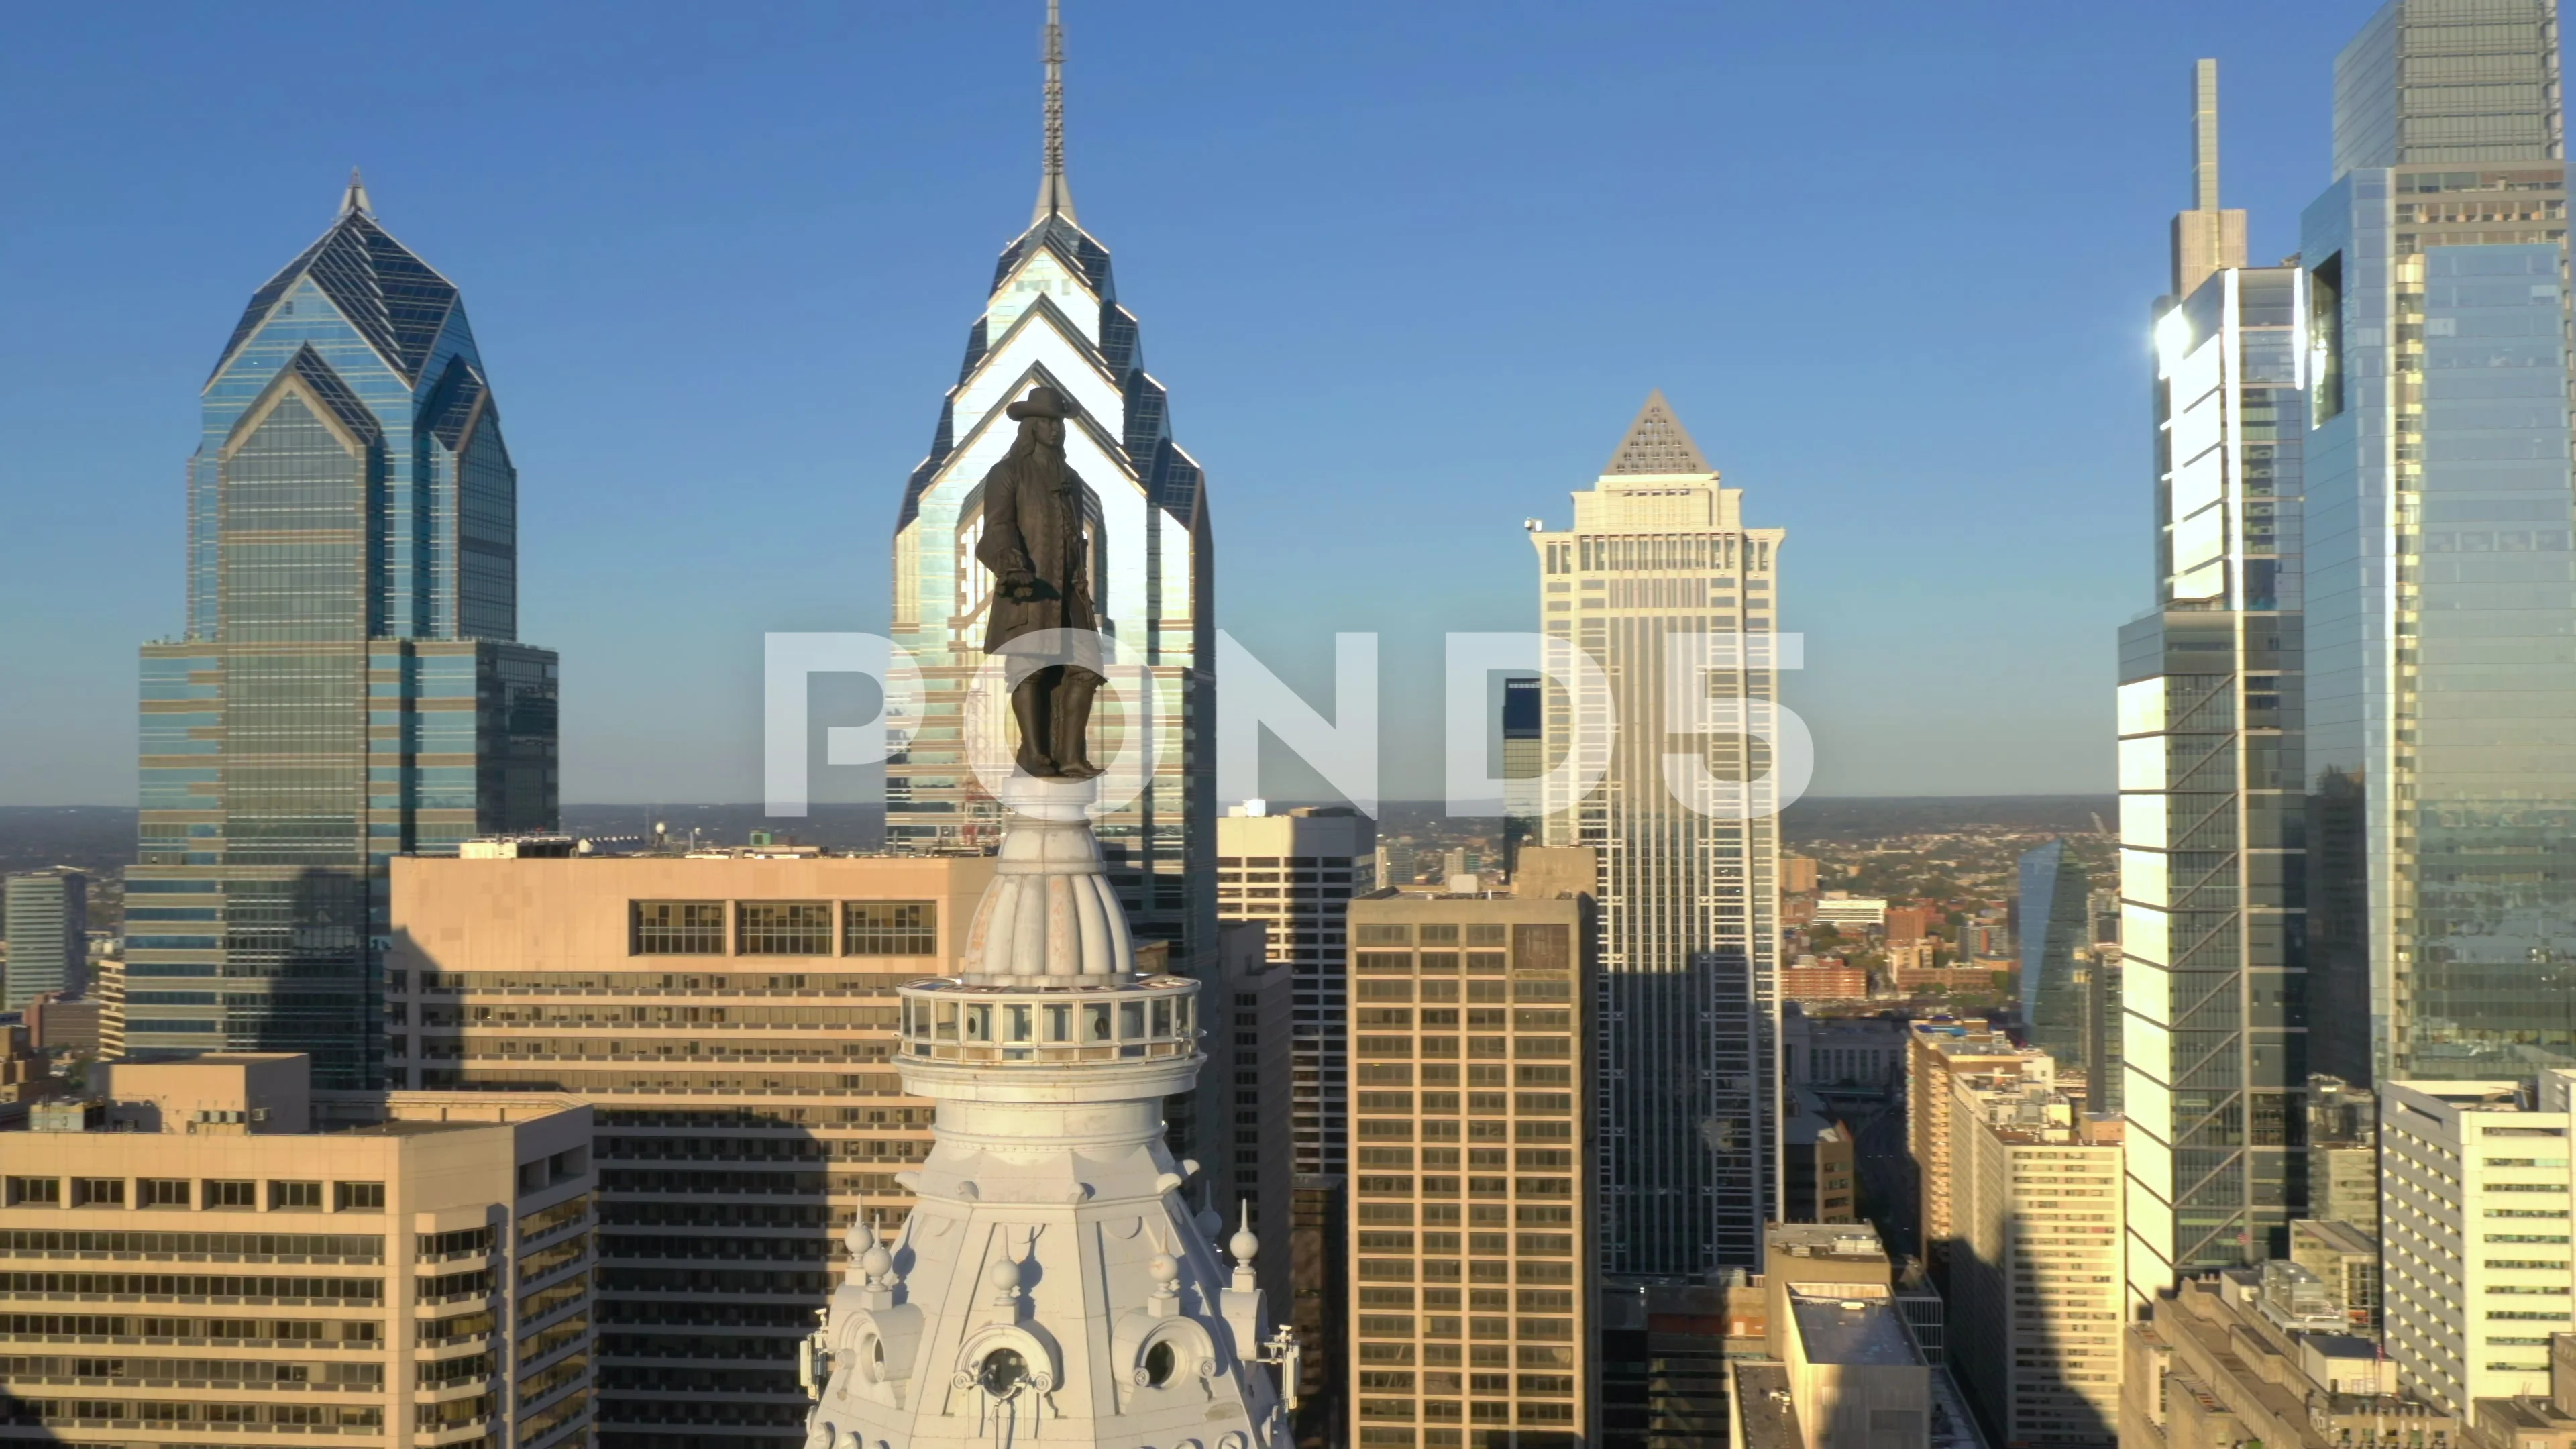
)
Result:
{"points": [[1039, 550]]}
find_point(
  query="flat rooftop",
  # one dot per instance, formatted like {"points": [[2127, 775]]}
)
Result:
{"points": [[2340, 1237], [2341, 1345], [1825, 1240], [1762, 1399], [399, 1128], [2537, 1414], [1853, 1331]]}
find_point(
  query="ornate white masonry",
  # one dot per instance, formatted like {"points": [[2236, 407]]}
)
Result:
{"points": [[1052, 1285]]}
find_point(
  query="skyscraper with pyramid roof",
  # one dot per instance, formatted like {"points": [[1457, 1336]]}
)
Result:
{"points": [[349, 686], [1052, 317], [1661, 584]]}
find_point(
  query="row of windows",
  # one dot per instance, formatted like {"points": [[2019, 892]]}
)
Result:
{"points": [[1478, 1018], [786, 928], [207, 1285], [601, 1048], [469, 983], [1429, 963], [844, 1018], [1483, 1159], [81, 1411], [1440, 1263], [245, 1330], [1479, 991], [363, 1247], [1436, 1355], [1380, 1129], [1481, 933], [1445, 1074], [635, 1080], [1477, 1046], [1481, 1104], [1648, 552], [176, 1192], [368, 1375]]}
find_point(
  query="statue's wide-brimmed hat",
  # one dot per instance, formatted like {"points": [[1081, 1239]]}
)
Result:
{"points": [[1044, 402]]}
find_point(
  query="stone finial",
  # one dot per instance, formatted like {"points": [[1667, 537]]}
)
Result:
{"points": [[1004, 1275], [1244, 1244]]}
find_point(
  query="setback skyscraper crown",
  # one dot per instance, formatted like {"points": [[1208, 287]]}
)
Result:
{"points": [[1052, 319], [348, 687]]}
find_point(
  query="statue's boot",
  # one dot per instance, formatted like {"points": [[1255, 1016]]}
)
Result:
{"points": [[1028, 706], [1071, 737]]}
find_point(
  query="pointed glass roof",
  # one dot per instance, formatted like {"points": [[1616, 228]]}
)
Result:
{"points": [[1656, 443], [452, 407], [392, 297], [1088, 259], [334, 392]]}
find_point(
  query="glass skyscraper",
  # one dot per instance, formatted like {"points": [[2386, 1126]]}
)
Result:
{"points": [[2440, 761], [2211, 929], [44, 916], [1659, 574], [349, 686], [1053, 318], [2056, 939]]}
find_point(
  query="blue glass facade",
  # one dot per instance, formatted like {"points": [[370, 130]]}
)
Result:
{"points": [[2211, 1038], [2441, 757], [2055, 934], [348, 687]]}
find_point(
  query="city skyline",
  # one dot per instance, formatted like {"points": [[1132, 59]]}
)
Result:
{"points": [[630, 537], [2157, 1034]]}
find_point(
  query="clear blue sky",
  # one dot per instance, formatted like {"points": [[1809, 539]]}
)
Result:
{"points": [[1407, 269]]}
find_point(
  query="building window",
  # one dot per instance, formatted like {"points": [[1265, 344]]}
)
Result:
{"points": [[35, 1192], [890, 928], [357, 1197], [227, 1194], [294, 1196], [783, 928], [679, 928], [98, 1192], [161, 1192]]}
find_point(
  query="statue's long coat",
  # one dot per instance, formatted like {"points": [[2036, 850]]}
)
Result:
{"points": [[1033, 521]]}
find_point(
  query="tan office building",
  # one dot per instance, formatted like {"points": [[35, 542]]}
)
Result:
{"points": [[206, 1267], [1839, 1363], [1296, 871], [1660, 582], [2035, 1285], [2236, 1358], [731, 1016], [1471, 1309], [1936, 1054]]}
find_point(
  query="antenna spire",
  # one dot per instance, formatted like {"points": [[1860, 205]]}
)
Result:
{"points": [[1055, 198], [2204, 135], [355, 199], [2208, 237]]}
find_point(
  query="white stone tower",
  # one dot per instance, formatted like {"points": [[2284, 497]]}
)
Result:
{"points": [[1052, 1284]]}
